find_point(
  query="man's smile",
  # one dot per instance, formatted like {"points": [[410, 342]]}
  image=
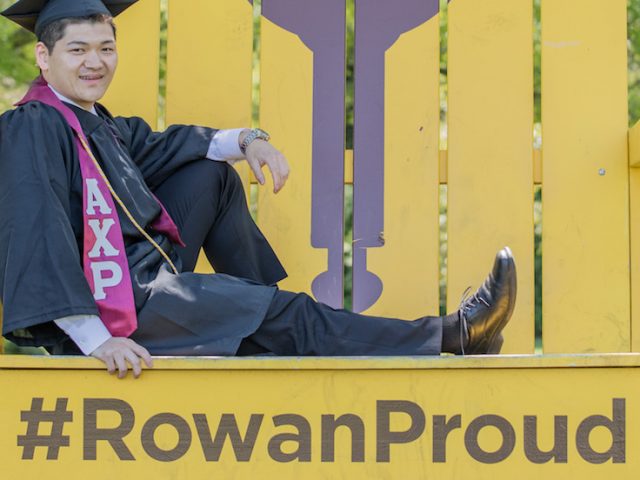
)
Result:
{"points": [[92, 77]]}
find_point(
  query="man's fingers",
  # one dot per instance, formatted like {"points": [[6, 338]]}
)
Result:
{"points": [[256, 168], [143, 353], [134, 361], [275, 174], [119, 352], [260, 153], [283, 168], [111, 366], [121, 363], [279, 171]]}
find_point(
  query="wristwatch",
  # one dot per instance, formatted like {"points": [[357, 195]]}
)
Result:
{"points": [[254, 134]]}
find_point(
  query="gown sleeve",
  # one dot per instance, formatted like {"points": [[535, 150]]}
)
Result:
{"points": [[159, 154], [41, 276]]}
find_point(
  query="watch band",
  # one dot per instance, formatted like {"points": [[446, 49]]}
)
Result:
{"points": [[254, 134]]}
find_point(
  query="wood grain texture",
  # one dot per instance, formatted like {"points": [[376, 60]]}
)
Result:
{"points": [[586, 293]]}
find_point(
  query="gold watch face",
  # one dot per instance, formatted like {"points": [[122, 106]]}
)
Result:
{"points": [[255, 134], [262, 134]]}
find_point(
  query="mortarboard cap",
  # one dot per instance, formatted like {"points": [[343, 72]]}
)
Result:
{"points": [[34, 15]]}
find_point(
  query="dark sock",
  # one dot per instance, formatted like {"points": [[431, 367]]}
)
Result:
{"points": [[451, 334]]}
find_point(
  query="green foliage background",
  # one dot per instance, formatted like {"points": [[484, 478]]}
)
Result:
{"points": [[16, 60], [634, 60]]}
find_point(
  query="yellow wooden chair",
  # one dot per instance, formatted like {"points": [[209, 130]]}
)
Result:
{"points": [[570, 413]]}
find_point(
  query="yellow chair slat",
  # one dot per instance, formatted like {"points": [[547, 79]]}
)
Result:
{"points": [[634, 222], [585, 180], [134, 91], [286, 113], [408, 261], [490, 150], [215, 89], [634, 216]]}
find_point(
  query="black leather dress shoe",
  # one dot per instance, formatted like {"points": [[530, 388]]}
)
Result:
{"points": [[484, 314]]}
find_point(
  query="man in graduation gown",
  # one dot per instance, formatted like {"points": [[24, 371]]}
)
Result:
{"points": [[102, 220]]}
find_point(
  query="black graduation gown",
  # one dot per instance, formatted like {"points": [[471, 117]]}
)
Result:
{"points": [[41, 229]]}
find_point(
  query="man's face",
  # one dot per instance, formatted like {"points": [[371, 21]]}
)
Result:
{"points": [[82, 63]]}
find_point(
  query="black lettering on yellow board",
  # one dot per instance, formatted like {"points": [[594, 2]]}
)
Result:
{"points": [[473, 431], [34, 438], [385, 437], [616, 426], [558, 452], [148, 437], [228, 427], [441, 429], [302, 438], [329, 426], [291, 446], [114, 436]]}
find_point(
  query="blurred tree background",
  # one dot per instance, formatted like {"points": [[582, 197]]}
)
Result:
{"points": [[633, 23], [17, 65], [17, 69]]}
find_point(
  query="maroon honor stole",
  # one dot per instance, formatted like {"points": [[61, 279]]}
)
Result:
{"points": [[104, 256]]}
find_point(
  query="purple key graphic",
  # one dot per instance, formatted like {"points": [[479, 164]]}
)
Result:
{"points": [[320, 24], [378, 24]]}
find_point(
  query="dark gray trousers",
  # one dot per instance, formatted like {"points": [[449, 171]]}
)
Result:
{"points": [[207, 201]]}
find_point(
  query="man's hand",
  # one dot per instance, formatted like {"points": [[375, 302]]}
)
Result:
{"points": [[260, 153], [118, 351]]}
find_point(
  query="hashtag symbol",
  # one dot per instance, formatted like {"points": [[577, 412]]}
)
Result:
{"points": [[34, 417]]}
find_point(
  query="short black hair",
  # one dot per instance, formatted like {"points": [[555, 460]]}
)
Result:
{"points": [[53, 32]]}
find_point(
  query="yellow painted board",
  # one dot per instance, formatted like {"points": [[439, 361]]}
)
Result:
{"points": [[634, 222], [209, 63], [348, 167], [408, 262], [444, 159], [165, 424], [447, 362], [586, 299], [537, 166], [215, 89], [286, 113], [444, 169], [202, 264], [490, 115], [134, 91]]}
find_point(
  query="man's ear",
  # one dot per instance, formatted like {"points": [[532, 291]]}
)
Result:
{"points": [[42, 56]]}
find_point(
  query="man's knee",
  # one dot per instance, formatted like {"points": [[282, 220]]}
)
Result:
{"points": [[232, 177], [209, 177], [217, 172]]}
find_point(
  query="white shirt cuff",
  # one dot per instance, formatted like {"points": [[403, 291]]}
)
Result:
{"points": [[225, 146], [87, 331]]}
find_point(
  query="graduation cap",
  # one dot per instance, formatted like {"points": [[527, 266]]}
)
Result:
{"points": [[34, 15]]}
